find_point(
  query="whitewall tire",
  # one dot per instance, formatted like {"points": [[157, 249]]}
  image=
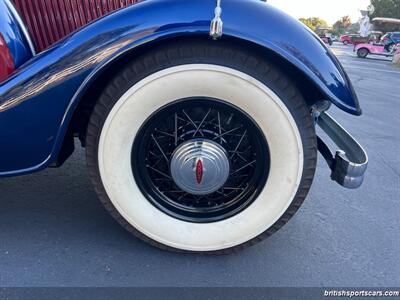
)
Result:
{"points": [[280, 113]]}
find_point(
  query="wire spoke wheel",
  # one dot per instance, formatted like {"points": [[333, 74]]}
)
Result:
{"points": [[200, 160]]}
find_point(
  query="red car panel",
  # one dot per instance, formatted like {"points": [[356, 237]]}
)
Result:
{"points": [[48, 21], [6, 60], [345, 38]]}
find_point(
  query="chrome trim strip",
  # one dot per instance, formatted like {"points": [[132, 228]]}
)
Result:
{"points": [[351, 162], [21, 25]]}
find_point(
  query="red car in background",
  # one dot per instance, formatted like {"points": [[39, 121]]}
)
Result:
{"points": [[354, 39], [345, 39]]}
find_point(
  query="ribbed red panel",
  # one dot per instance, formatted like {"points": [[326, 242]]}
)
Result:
{"points": [[6, 60], [48, 21]]}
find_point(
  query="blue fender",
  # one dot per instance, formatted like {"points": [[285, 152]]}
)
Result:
{"points": [[38, 101]]}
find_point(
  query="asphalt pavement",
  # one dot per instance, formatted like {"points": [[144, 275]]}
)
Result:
{"points": [[54, 232]]}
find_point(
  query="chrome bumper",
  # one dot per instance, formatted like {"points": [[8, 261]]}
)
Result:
{"points": [[349, 164]]}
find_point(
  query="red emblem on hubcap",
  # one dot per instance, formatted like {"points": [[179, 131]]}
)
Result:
{"points": [[199, 171]]}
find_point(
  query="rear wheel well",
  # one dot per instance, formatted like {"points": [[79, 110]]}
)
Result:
{"points": [[80, 119]]}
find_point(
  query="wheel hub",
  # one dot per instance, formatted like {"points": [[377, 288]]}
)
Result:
{"points": [[200, 167], [200, 159]]}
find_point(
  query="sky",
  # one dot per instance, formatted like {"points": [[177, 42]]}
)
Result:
{"points": [[329, 10]]}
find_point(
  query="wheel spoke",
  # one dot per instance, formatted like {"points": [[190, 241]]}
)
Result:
{"points": [[219, 127], [244, 167], [227, 132], [233, 189], [222, 194], [191, 121], [184, 195], [201, 124], [241, 156], [159, 172], [164, 133], [159, 147], [239, 176], [176, 129], [238, 145], [155, 155]]}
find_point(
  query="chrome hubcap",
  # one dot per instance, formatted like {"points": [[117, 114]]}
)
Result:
{"points": [[200, 160], [200, 167]]}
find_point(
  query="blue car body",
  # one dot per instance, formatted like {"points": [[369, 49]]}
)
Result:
{"points": [[38, 101]]}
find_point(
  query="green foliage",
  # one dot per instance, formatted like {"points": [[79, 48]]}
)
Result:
{"points": [[314, 23], [342, 25], [386, 9], [353, 28]]}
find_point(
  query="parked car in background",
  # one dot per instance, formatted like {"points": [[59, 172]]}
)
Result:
{"points": [[353, 39], [326, 39], [325, 36], [390, 39], [345, 39], [363, 50], [334, 38], [387, 46], [199, 126]]}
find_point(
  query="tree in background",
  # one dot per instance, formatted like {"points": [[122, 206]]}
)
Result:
{"points": [[353, 28], [386, 9], [341, 25], [314, 23], [346, 21]]}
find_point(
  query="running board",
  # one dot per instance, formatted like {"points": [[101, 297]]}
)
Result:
{"points": [[350, 163]]}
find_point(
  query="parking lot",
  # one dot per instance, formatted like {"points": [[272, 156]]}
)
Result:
{"points": [[54, 232]]}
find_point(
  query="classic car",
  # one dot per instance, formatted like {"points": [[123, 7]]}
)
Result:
{"points": [[198, 116], [363, 50], [353, 39]]}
